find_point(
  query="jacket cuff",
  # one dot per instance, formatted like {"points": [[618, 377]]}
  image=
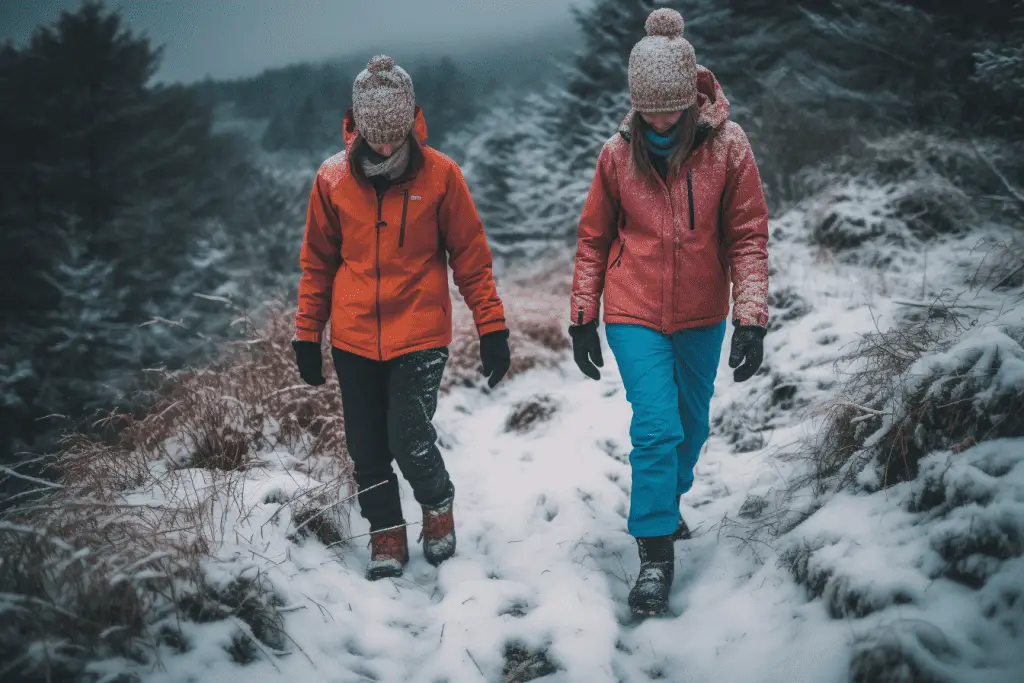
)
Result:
{"points": [[307, 335], [583, 313], [752, 315], [487, 328]]}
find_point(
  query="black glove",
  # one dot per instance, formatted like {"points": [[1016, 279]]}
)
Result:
{"points": [[494, 356], [310, 362], [748, 349], [586, 348]]}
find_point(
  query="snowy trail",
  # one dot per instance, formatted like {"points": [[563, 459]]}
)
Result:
{"points": [[537, 588], [544, 564]]}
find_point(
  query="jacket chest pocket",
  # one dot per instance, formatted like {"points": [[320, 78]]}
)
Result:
{"points": [[699, 220], [417, 232]]}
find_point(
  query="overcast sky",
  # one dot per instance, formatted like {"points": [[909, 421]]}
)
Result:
{"points": [[228, 39]]}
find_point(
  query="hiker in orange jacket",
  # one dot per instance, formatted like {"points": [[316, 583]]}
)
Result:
{"points": [[386, 217], [675, 211]]}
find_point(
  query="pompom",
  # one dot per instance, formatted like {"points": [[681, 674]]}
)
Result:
{"points": [[665, 22], [380, 63]]}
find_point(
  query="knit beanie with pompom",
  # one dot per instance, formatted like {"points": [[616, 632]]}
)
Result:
{"points": [[663, 66], [383, 101]]}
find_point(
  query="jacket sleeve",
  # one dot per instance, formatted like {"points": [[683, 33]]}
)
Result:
{"points": [[745, 231], [320, 258], [470, 255], [594, 237]]}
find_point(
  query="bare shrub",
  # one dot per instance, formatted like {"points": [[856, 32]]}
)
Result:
{"points": [[1003, 269], [876, 375], [526, 414], [524, 664], [953, 406], [537, 316], [912, 390]]}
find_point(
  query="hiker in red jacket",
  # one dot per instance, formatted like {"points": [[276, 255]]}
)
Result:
{"points": [[675, 211], [386, 218]]}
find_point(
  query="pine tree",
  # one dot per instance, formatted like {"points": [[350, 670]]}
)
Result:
{"points": [[596, 96], [106, 182], [913, 62]]}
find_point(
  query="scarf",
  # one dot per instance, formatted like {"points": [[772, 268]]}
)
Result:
{"points": [[391, 167], [661, 145]]}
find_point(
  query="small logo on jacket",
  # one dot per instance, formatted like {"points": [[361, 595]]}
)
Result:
{"points": [[415, 197]]}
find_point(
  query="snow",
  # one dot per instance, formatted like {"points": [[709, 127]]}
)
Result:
{"points": [[930, 567]]}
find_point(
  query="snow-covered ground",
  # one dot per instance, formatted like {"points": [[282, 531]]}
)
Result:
{"points": [[537, 588]]}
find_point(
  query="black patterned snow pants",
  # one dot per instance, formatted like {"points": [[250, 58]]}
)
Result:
{"points": [[389, 409]]}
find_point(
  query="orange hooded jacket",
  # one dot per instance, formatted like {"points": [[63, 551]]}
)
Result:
{"points": [[378, 267]]}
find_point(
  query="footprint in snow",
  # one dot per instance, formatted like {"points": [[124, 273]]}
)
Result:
{"points": [[549, 508]]}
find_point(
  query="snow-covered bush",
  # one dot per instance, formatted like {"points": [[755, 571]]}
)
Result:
{"points": [[971, 393], [904, 191], [914, 390]]}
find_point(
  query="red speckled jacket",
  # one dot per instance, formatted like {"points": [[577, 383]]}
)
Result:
{"points": [[662, 253]]}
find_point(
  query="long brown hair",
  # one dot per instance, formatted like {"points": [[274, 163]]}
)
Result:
{"points": [[638, 150]]}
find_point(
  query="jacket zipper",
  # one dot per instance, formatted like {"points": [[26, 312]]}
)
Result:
{"points": [[380, 224], [675, 249], [689, 193], [405, 212]]}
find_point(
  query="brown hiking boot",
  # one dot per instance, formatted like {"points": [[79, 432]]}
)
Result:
{"points": [[389, 552], [438, 533]]}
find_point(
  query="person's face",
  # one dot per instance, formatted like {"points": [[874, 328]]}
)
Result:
{"points": [[662, 121], [386, 149]]}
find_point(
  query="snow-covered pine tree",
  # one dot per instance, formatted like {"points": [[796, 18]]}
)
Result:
{"points": [[913, 62], [447, 96], [594, 95], [89, 353], [135, 168]]}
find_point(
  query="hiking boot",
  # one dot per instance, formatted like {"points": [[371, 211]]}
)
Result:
{"points": [[682, 532], [438, 534], [649, 596], [389, 552]]}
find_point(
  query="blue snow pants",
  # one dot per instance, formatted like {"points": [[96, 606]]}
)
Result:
{"points": [[669, 381]]}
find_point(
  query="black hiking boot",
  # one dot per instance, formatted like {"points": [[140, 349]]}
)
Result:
{"points": [[682, 532], [649, 597], [438, 534]]}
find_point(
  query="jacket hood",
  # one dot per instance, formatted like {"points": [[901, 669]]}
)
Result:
{"points": [[714, 107], [419, 127]]}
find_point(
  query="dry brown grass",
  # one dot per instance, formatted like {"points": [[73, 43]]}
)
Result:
{"points": [[218, 417], [536, 310], [107, 565]]}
